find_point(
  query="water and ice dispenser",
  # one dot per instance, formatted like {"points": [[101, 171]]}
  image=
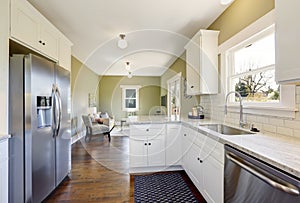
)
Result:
{"points": [[44, 111]]}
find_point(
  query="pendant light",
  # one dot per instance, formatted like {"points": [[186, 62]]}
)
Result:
{"points": [[127, 67], [122, 43], [129, 74]]}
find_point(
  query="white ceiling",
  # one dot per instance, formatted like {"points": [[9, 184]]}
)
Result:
{"points": [[156, 30]]}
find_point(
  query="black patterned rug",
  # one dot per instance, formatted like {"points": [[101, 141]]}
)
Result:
{"points": [[169, 187]]}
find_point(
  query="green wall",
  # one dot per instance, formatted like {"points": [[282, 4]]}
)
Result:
{"points": [[110, 94], [239, 15], [179, 66], [83, 82]]}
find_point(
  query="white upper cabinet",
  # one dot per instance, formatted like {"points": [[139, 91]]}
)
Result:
{"points": [[202, 63], [33, 30], [24, 23], [64, 57], [287, 68]]}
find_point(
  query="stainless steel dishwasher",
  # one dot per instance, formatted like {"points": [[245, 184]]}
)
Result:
{"points": [[249, 180]]}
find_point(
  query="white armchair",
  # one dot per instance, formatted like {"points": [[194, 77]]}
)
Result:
{"points": [[94, 128]]}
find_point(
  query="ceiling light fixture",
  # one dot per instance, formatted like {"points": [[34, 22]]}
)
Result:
{"points": [[129, 74], [225, 2], [127, 66], [122, 43]]}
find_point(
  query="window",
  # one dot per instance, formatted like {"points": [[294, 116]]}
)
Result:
{"points": [[252, 68], [130, 98], [245, 64]]}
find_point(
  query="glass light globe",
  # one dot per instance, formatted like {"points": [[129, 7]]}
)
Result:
{"points": [[122, 43]]}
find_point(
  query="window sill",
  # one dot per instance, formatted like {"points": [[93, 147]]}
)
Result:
{"points": [[274, 111]]}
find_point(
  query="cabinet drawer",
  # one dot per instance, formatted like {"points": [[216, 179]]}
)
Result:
{"points": [[147, 130]]}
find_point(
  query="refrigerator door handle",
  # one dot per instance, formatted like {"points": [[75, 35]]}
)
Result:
{"points": [[59, 111], [53, 110]]}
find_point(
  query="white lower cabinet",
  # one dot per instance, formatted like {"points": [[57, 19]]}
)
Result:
{"points": [[159, 145], [4, 171], [193, 166], [188, 137], [147, 145], [138, 152], [173, 145], [156, 151], [204, 164], [212, 181]]}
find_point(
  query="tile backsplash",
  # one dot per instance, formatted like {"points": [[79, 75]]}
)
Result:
{"points": [[214, 109]]}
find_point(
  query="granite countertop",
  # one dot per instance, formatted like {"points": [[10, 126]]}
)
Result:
{"points": [[279, 151], [4, 136]]}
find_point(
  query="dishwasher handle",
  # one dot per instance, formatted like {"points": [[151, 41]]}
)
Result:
{"points": [[284, 186]]}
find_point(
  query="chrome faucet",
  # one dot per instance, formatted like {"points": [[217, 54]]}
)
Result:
{"points": [[242, 122]]}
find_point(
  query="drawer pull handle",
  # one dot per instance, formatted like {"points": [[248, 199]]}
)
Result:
{"points": [[145, 143]]}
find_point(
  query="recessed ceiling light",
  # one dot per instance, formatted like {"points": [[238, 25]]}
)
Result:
{"points": [[122, 43], [225, 2]]}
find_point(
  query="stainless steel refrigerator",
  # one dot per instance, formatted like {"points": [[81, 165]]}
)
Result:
{"points": [[40, 147]]}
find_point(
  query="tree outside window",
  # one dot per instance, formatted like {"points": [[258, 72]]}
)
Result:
{"points": [[253, 72]]}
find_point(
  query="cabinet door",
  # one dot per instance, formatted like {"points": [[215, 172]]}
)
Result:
{"points": [[173, 145], [185, 145], [209, 62], [64, 57], [192, 69], [194, 166], [138, 152], [287, 41], [156, 151], [48, 40], [4, 171], [213, 180], [24, 23]]}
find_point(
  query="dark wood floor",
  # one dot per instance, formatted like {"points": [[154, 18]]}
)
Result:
{"points": [[100, 173]]}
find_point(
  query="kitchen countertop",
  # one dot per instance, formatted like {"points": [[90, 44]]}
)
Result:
{"points": [[279, 151], [4, 136]]}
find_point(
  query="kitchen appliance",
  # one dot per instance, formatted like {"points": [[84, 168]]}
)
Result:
{"points": [[40, 147], [247, 179]]}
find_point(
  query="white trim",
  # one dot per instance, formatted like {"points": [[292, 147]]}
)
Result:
{"points": [[254, 28], [124, 88], [131, 86], [281, 112], [174, 78], [285, 108]]}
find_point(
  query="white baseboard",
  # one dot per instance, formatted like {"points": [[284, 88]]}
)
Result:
{"points": [[134, 170], [77, 137]]}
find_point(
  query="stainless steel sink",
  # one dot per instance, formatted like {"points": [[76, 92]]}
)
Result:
{"points": [[226, 130]]}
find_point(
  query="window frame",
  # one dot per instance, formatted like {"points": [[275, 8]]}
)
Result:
{"points": [[230, 68], [130, 87], [285, 107]]}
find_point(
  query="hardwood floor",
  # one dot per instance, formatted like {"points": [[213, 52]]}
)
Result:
{"points": [[100, 173]]}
